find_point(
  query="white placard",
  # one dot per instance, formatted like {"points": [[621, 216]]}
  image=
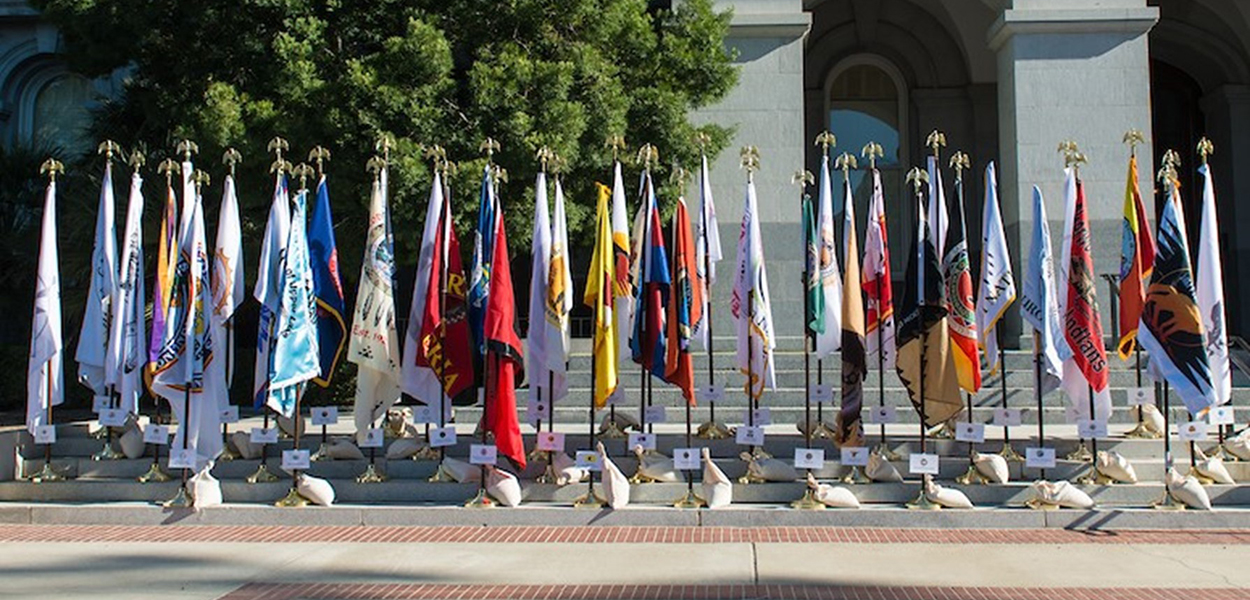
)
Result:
{"points": [[923, 464], [822, 393], [1141, 395], [617, 397], [1221, 415], [809, 458], [749, 436], [100, 404], [182, 458], [882, 415], [712, 393], [686, 459], [441, 437], [1091, 429], [112, 417], [45, 434], [325, 415], [655, 414], [854, 456], [156, 434], [646, 440], [230, 414], [763, 416], [1193, 431], [1007, 417], [373, 438], [551, 441], [1039, 458], [261, 435], [483, 454], [295, 459], [973, 433], [589, 460]]}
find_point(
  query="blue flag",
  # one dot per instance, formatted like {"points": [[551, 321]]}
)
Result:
{"points": [[331, 329], [294, 359], [479, 278], [647, 342], [1039, 302]]}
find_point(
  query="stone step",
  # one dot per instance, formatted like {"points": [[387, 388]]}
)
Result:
{"points": [[790, 357], [794, 377]]}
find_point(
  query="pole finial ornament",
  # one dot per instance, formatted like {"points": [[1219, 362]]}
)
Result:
{"points": [[918, 178], [1133, 137], [167, 168], [1205, 149], [186, 148], [936, 141], [616, 142], [872, 151], [490, 146], [845, 162], [749, 159], [136, 160], [278, 145], [231, 158], [52, 167], [318, 155], [108, 148], [959, 162], [648, 155], [826, 140], [303, 171]]}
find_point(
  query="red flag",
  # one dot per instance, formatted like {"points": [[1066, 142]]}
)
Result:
{"points": [[686, 302], [503, 355], [1082, 326], [1137, 259], [445, 328]]}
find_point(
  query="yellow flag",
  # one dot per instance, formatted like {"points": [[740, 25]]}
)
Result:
{"points": [[599, 297]]}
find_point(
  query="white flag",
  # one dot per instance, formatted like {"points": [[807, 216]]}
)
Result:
{"points": [[418, 381], [127, 350], [939, 221], [1065, 249], [268, 284], [830, 274], [536, 370], [559, 301], [45, 379], [1039, 304], [877, 285], [374, 345], [998, 284], [707, 253], [624, 312], [1210, 293], [93, 337], [228, 291], [750, 306]]}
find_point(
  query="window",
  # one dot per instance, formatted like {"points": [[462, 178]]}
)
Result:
{"points": [[865, 106], [62, 114]]}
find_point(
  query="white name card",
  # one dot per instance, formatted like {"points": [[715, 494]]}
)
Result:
{"points": [[809, 458], [923, 464], [373, 438], [1141, 395], [551, 441], [882, 415], [1007, 417], [112, 417], [646, 440], [262, 435], [712, 392], [483, 454], [45, 434], [180, 458], [295, 460], [749, 436], [325, 415], [686, 459], [589, 460], [156, 434], [1193, 431], [1221, 415], [441, 437], [1091, 429], [656, 414], [822, 393], [973, 433], [100, 404], [230, 415], [854, 457], [1039, 458]]}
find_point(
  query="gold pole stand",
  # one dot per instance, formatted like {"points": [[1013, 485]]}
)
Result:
{"points": [[426, 453], [1203, 479], [1168, 502], [155, 474], [690, 500], [971, 477], [371, 475], [1141, 433], [886, 452], [481, 500], [1081, 454], [823, 431], [228, 454], [107, 453], [712, 430], [322, 453], [591, 500], [1009, 454], [262, 475], [922, 502], [180, 500], [47, 474], [292, 500], [1037, 504], [808, 501], [613, 431], [855, 477], [441, 475], [1222, 453]]}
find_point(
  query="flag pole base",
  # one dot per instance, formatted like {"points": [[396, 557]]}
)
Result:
{"points": [[1220, 452], [1037, 504], [262, 475], [549, 474], [824, 431], [371, 475], [1009, 454], [590, 499], [536, 455], [639, 478], [808, 501], [712, 430], [1141, 433], [1094, 477], [441, 475], [971, 477], [1081, 454], [155, 474], [760, 452], [107, 453], [1203, 479], [180, 500], [481, 500], [885, 451], [749, 479], [690, 500], [426, 453], [47, 474], [292, 500], [1168, 502], [943, 432], [855, 477], [100, 434], [322, 453], [612, 431], [228, 454], [922, 502]]}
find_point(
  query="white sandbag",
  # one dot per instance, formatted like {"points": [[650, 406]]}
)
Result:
{"points": [[769, 469], [624, 421], [656, 467], [718, 489], [1187, 490], [945, 497], [615, 483], [205, 489], [344, 449], [1115, 466], [991, 466], [287, 425], [404, 448], [1239, 445], [1212, 467], [131, 440], [462, 471], [315, 489], [503, 486], [880, 469], [834, 496], [566, 469], [1152, 419], [242, 442], [1062, 493]]}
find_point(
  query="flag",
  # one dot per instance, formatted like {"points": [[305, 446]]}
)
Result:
{"points": [[829, 326], [93, 337], [750, 304], [651, 289], [268, 285], [45, 379], [707, 254], [1137, 258], [1210, 293], [1087, 369], [879, 322], [850, 429], [599, 296], [939, 222], [686, 303], [324, 255], [998, 284], [923, 336], [127, 355], [166, 260], [1171, 328], [295, 348], [503, 353], [559, 301], [540, 272], [961, 299], [228, 283], [483, 251], [374, 344], [419, 378], [623, 294], [1039, 303], [813, 294]]}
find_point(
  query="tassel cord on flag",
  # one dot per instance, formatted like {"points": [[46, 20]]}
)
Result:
{"points": [[752, 404]]}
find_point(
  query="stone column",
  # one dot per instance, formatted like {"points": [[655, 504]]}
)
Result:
{"points": [[1227, 111]]}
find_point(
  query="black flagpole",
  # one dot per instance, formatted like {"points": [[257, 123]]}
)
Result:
{"points": [[1037, 382]]}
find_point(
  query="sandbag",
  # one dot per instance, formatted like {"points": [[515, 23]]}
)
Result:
{"points": [[503, 486], [462, 471], [831, 495], [205, 489], [1212, 467], [1152, 419], [1239, 445], [945, 497], [1062, 493], [624, 421], [404, 448], [991, 466], [1115, 466], [344, 449], [131, 441], [718, 489], [1187, 490], [880, 469], [242, 442], [615, 483], [288, 425], [656, 467], [769, 469], [316, 490], [566, 469]]}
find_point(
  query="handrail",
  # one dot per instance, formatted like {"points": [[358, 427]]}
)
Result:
{"points": [[1237, 360]]}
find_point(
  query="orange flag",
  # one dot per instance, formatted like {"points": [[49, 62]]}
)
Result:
{"points": [[686, 304]]}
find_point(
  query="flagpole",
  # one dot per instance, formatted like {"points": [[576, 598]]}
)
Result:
{"points": [[1168, 502], [802, 178], [922, 502], [155, 474], [439, 157], [107, 148], [591, 499], [750, 162], [1008, 453], [711, 430], [1037, 383], [50, 167], [873, 151], [647, 154]]}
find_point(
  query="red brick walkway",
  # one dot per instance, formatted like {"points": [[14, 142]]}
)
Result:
{"points": [[600, 535], [369, 591]]}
